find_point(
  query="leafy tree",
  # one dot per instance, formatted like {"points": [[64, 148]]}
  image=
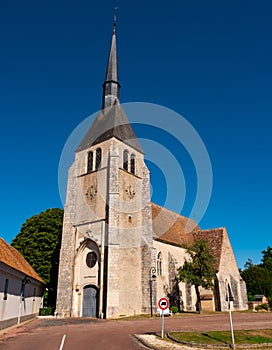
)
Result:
{"points": [[39, 242], [267, 258], [198, 269], [267, 264], [248, 264], [258, 278]]}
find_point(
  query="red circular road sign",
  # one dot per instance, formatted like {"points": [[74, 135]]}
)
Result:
{"points": [[163, 303]]}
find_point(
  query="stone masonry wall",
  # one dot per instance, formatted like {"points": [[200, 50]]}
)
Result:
{"points": [[112, 232], [65, 278], [229, 273]]}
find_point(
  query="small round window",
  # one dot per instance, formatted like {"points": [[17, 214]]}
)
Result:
{"points": [[91, 259]]}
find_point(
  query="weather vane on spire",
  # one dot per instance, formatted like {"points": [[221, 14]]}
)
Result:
{"points": [[115, 14]]}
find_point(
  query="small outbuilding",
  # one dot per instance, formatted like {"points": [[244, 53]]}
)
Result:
{"points": [[259, 300], [21, 288]]}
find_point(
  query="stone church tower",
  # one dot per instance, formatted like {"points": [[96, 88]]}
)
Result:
{"points": [[106, 250], [120, 252]]}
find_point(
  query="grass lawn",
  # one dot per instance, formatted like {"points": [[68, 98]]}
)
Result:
{"points": [[259, 336]]}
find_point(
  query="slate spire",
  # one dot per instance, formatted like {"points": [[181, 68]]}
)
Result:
{"points": [[111, 86], [111, 121]]}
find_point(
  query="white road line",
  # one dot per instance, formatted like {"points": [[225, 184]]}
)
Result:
{"points": [[62, 342]]}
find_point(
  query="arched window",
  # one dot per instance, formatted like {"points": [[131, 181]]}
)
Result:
{"points": [[125, 160], [90, 162], [132, 164], [159, 264], [98, 158]]}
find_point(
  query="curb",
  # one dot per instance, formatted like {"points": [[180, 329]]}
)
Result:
{"points": [[148, 344], [220, 346], [15, 326]]}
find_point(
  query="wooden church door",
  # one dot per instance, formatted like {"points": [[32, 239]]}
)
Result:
{"points": [[90, 301]]}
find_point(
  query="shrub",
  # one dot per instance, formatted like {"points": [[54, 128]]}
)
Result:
{"points": [[46, 311], [262, 307], [270, 302], [174, 309]]}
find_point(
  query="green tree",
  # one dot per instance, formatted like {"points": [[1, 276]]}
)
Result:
{"points": [[198, 269], [248, 264], [258, 278], [39, 242], [267, 258], [267, 264]]}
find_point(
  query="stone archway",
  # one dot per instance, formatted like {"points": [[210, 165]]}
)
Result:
{"points": [[87, 275], [90, 301]]}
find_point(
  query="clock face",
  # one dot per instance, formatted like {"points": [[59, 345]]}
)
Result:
{"points": [[130, 192], [91, 192], [89, 187]]}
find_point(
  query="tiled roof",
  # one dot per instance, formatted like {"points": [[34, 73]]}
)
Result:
{"points": [[214, 238], [110, 122], [171, 227], [176, 229], [11, 257]]}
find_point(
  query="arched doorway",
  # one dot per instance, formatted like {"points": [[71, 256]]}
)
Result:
{"points": [[90, 301]]}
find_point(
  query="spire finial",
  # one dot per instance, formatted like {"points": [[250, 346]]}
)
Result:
{"points": [[114, 17], [111, 86]]}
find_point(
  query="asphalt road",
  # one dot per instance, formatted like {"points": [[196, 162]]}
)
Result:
{"points": [[85, 334]]}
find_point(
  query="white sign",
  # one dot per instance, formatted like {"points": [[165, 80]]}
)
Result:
{"points": [[163, 304]]}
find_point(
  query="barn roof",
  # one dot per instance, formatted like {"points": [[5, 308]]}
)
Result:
{"points": [[13, 258]]}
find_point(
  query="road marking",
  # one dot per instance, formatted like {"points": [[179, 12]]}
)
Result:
{"points": [[62, 342]]}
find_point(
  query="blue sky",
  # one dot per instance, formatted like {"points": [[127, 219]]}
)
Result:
{"points": [[209, 61]]}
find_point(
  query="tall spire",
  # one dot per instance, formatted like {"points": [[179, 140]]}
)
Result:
{"points": [[111, 122], [111, 86]]}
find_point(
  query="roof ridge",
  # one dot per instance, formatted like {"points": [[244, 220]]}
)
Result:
{"points": [[171, 211], [213, 229]]}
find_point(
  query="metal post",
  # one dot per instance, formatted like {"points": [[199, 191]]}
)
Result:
{"points": [[25, 281], [162, 330], [231, 328], [228, 291], [152, 276], [151, 301], [20, 307]]}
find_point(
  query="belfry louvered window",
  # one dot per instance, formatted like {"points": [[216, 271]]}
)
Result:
{"points": [[125, 160], [90, 162], [132, 164], [98, 158]]}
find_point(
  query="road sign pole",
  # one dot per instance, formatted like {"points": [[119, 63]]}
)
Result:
{"points": [[162, 330], [231, 327], [163, 304], [228, 297]]}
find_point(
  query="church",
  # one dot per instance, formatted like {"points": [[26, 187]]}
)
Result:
{"points": [[120, 252]]}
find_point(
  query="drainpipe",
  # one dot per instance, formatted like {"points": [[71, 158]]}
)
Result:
{"points": [[25, 281]]}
